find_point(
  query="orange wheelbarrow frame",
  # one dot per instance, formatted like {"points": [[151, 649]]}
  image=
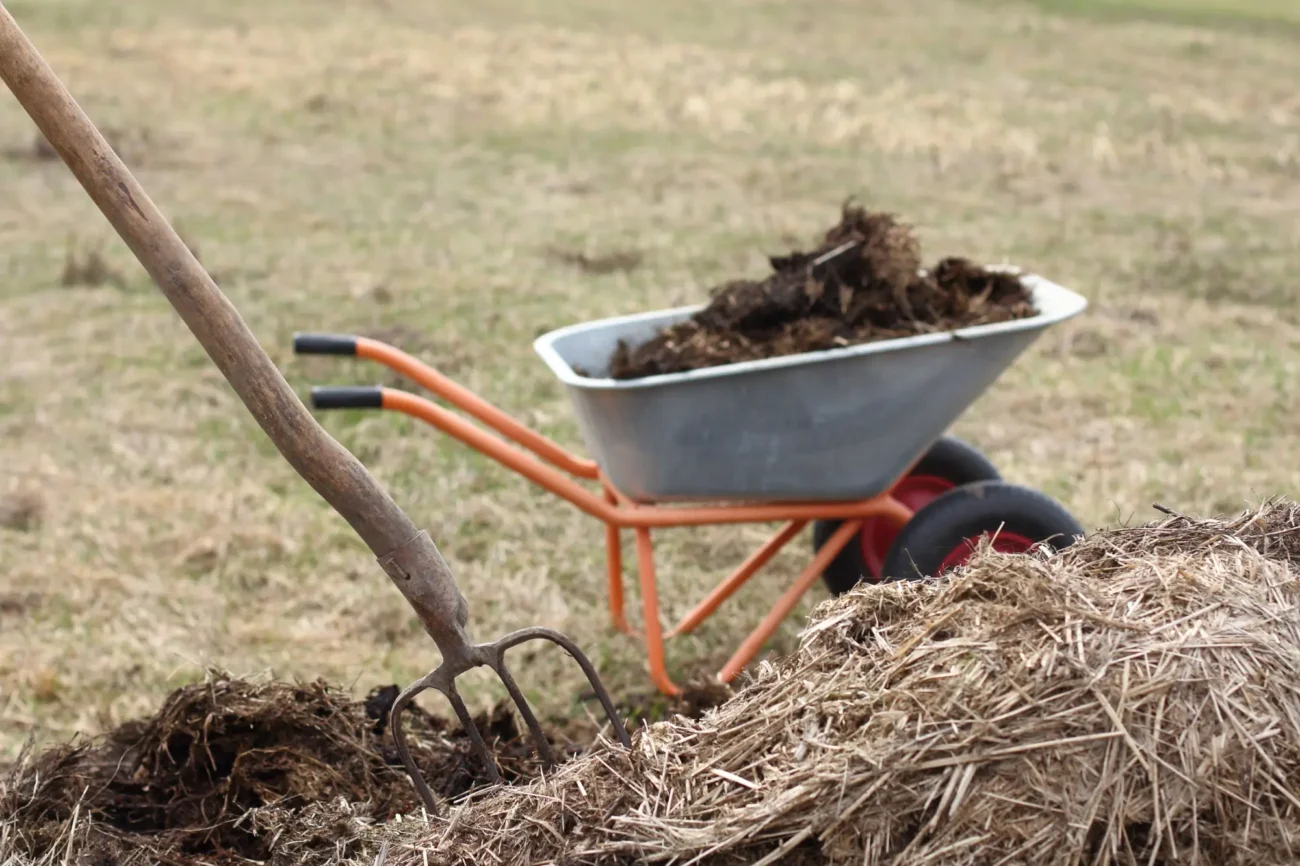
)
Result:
{"points": [[563, 477]]}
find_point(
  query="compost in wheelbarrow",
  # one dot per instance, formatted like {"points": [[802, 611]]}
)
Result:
{"points": [[862, 282]]}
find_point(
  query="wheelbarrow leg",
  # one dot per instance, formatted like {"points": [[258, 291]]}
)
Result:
{"points": [[654, 638], [614, 569], [786, 603]]}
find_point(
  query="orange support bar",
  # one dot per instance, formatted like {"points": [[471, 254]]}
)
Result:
{"points": [[747, 569], [614, 570], [654, 639], [475, 406], [786, 603]]}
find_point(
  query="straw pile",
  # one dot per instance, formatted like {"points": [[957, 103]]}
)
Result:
{"points": [[1132, 700], [1135, 699]]}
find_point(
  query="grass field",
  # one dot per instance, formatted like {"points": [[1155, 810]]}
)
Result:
{"points": [[384, 166]]}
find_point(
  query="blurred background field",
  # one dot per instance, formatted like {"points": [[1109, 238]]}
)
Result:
{"points": [[460, 177]]}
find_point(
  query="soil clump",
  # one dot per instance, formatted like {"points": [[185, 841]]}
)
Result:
{"points": [[230, 771]]}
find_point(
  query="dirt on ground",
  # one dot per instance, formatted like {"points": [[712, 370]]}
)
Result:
{"points": [[863, 282], [225, 762]]}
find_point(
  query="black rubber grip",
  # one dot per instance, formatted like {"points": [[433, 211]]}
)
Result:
{"points": [[324, 344], [347, 397]]}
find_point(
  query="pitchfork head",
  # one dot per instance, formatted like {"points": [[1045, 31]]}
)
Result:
{"points": [[492, 655], [419, 572]]}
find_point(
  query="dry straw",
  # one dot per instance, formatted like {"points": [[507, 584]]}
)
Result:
{"points": [[1134, 700]]}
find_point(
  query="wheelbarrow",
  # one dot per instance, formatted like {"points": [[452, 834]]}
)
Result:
{"points": [[850, 439]]}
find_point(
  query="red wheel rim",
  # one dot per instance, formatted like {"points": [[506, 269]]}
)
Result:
{"points": [[878, 534], [1004, 542]]}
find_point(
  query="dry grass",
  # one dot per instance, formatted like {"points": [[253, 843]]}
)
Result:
{"points": [[1132, 700], [358, 166]]}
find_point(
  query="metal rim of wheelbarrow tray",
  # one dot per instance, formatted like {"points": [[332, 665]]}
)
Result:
{"points": [[1055, 304]]}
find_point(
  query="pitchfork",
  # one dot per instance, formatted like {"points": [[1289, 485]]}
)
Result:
{"points": [[407, 554]]}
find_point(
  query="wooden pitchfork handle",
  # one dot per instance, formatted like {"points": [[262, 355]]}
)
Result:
{"points": [[407, 554]]}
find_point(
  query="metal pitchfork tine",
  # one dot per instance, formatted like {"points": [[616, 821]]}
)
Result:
{"points": [[407, 555], [424, 578]]}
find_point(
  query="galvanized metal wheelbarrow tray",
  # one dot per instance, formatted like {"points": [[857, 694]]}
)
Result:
{"points": [[815, 436], [823, 426]]}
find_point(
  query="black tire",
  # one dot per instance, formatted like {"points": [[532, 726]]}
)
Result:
{"points": [[949, 458], [967, 512]]}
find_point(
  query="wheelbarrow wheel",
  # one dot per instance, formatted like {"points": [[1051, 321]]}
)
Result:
{"points": [[944, 534], [949, 463]]}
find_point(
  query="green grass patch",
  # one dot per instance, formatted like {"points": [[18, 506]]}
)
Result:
{"points": [[1256, 15]]}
